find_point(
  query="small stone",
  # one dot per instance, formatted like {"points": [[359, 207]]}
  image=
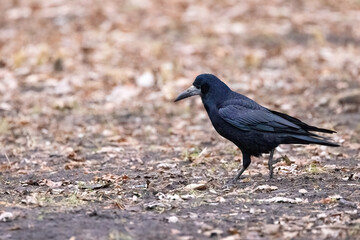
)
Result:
{"points": [[173, 219], [303, 191]]}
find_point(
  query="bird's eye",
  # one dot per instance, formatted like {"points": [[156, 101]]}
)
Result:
{"points": [[205, 88]]}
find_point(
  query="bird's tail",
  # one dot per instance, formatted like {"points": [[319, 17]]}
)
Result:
{"points": [[302, 139], [301, 124]]}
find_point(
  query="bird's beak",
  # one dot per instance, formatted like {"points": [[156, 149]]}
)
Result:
{"points": [[191, 91]]}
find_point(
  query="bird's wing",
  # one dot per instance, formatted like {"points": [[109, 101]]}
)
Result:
{"points": [[302, 124], [248, 117]]}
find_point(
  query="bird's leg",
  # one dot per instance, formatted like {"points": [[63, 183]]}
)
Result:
{"points": [[270, 163], [246, 163]]}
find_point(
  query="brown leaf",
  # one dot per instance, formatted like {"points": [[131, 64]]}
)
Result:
{"points": [[52, 184], [196, 186], [271, 229]]}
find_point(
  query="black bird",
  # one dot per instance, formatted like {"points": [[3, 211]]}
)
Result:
{"points": [[251, 127]]}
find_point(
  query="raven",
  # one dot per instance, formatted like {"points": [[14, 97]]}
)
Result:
{"points": [[253, 128]]}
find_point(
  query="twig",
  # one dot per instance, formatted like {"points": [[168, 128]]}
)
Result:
{"points": [[7, 158]]}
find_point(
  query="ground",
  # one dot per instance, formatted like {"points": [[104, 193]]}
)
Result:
{"points": [[93, 146]]}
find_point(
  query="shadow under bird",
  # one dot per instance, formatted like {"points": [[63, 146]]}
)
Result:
{"points": [[253, 128]]}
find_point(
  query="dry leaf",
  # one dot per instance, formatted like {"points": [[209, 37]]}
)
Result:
{"points": [[196, 186]]}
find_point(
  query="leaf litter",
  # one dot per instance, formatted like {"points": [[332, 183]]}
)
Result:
{"points": [[90, 135]]}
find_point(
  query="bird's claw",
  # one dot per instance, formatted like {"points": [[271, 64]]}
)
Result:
{"points": [[231, 182], [271, 168]]}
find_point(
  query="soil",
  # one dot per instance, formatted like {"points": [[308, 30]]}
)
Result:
{"points": [[93, 146]]}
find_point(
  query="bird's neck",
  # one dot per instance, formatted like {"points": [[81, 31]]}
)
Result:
{"points": [[212, 104]]}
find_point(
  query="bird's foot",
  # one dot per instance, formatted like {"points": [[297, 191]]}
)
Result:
{"points": [[236, 180], [271, 168], [231, 182]]}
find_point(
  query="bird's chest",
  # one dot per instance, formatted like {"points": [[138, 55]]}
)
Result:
{"points": [[219, 124]]}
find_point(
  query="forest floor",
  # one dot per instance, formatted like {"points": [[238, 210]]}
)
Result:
{"points": [[93, 146]]}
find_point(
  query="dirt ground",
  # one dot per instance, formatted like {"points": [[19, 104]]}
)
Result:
{"points": [[93, 146]]}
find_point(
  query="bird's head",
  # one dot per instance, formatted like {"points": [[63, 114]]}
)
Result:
{"points": [[207, 86]]}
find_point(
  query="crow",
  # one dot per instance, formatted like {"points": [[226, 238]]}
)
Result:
{"points": [[253, 128]]}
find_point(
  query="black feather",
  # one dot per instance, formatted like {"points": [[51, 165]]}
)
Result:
{"points": [[302, 124]]}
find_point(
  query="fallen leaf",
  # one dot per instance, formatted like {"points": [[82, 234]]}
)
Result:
{"points": [[31, 200], [232, 237], [290, 235], [166, 166], [196, 186], [329, 232], [52, 184], [213, 232], [265, 188], [271, 229], [6, 216], [95, 186]]}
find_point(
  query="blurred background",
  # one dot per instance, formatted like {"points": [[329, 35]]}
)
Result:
{"points": [[65, 63], [86, 99], [301, 57]]}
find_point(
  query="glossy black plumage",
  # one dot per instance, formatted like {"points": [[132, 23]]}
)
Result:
{"points": [[250, 126]]}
